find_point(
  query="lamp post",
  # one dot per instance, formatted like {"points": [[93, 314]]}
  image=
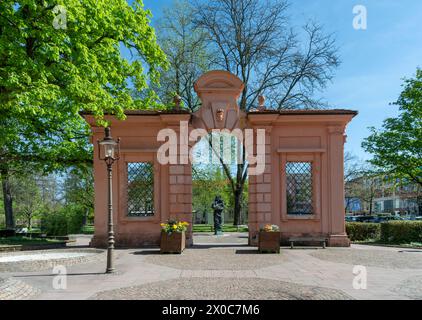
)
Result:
{"points": [[109, 152]]}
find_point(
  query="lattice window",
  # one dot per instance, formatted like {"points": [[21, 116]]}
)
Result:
{"points": [[140, 189], [299, 188]]}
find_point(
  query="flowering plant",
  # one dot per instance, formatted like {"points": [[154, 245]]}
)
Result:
{"points": [[174, 226], [270, 228]]}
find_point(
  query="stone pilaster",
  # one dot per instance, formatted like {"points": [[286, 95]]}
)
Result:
{"points": [[180, 195], [337, 233], [260, 192]]}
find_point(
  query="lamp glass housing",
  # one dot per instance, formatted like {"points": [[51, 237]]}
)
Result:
{"points": [[109, 147]]}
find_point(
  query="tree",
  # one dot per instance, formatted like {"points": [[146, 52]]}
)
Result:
{"points": [[352, 170], [205, 179], [58, 59], [397, 147], [187, 52], [252, 40], [365, 186], [78, 190], [28, 198]]}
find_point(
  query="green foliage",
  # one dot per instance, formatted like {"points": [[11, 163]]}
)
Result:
{"points": [[392, 232], [27, 198], [67, 220], [397, 147], [49, 74], [59, 58], [88, 229], [208, 182], [358, 231], [226, 228], [13, 241], [79, 190], [397, 232], [174, 226]]}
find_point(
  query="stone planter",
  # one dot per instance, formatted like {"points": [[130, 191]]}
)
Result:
{"points": [[269, 242], [172, 243]]}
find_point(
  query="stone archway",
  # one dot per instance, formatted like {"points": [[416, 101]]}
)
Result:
{"points": [[219, 92], [309, 141]]}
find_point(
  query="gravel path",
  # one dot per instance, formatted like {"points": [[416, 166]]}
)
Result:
{"points": [[391, 259], [25, 261], [44, 256], [222, 289]]}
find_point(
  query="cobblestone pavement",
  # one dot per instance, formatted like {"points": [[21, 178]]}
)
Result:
{"points": [[12, 289], [217, 259], [208, 238], [205, 271], [223, 289], [377, 258], [411, 288]]}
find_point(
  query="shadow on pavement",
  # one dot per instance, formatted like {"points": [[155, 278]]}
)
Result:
{"points": [[54, 274]]}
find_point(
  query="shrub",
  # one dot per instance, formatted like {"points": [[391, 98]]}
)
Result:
{"points": [[54, 223], [401, 231], [361, 231], [64, 221]]}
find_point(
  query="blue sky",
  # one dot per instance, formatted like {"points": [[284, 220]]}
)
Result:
{"points": [[374, 61]]}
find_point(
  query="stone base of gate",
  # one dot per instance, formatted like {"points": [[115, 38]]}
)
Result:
{"points": [[340, 240], [144, 240]]}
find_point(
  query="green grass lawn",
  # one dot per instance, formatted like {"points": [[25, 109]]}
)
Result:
{"points": [[88, 230], [196, 228], [14, 241], [226, 228]]}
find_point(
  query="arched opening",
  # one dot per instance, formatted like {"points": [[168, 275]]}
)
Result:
{"points": [[215, 158]]}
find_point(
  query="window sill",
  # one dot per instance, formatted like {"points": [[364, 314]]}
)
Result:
{"points": [[140, 219], [301, 217]]}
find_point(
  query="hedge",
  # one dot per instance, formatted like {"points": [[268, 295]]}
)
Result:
{"points": [[401, 231], [67, 220], [358, 231]]}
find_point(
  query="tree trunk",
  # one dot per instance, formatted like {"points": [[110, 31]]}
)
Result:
{"points": [[29, 223], [237, 206], [7, 199], [85, 221]]}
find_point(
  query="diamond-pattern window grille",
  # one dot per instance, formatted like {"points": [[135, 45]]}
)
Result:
{"points": [[299, 188], [140, 189]]}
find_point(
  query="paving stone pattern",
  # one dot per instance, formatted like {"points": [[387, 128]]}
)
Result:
{"points": [[223, 289]]}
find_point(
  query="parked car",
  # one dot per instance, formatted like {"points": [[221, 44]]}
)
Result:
{"points": [[372, 219], [351, 219]]}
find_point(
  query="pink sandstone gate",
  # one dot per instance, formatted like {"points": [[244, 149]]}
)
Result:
{"points": [[301, 188]]}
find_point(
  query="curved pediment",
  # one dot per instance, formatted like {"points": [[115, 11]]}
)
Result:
{"points": [[218, 91], [218, 81]]}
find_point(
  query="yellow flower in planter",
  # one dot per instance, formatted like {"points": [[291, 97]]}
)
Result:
{"points": [[174, 226], [270, 228]]}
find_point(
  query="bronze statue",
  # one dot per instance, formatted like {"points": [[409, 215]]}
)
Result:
{"points": [[218, 207]]}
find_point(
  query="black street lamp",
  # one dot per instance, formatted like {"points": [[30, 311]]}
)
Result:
{"points": [[109, 151]]}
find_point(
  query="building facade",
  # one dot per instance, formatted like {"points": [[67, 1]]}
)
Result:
{"points": [[300, 186]]}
